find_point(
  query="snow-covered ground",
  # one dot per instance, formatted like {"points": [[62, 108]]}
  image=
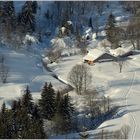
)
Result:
{"points": [[123, 88], [24, 69]]}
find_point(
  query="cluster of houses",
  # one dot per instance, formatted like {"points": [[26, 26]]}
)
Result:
{"points": [[96, 55]]}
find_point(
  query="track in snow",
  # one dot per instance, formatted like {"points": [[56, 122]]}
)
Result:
{"points": [[126, 103]]}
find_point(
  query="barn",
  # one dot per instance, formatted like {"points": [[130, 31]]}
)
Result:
{"points": [[96, 55]]}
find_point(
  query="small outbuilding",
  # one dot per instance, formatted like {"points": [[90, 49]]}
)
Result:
{"points": [[122, 52], [96, 55]]}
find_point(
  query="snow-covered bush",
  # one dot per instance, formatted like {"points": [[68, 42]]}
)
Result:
{"points": [[30, 39], [88, 33], [62, 46], [54, 55]]}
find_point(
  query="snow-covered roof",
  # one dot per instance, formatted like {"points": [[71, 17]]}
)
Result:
{"points": [[69, 22], [120, 51], [63, 29], [93, 54], [88, 30]]}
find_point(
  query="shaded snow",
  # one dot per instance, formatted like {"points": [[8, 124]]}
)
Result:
{"points": [[25, 70]]}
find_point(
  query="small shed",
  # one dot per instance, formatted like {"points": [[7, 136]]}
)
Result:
{"points": [[96, 55]]}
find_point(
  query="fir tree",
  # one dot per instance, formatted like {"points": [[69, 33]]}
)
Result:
{"points": [[9, 12], [8, 18], [27, 100], [6, 124], [63, 114], [14, 119], [58, 117], [57, 100], [90, 23], [47, 101], [3, 109], [34, 6], [38, 130], [111, 31], [27, 17], [18, 123], [1, 9], [67, 112]]}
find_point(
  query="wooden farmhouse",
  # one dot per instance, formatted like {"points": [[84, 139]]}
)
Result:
{"points": [[96, 55]]}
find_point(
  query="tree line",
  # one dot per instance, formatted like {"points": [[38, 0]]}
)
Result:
{"points": [[25, 119], [13, 26], [115, 34]]}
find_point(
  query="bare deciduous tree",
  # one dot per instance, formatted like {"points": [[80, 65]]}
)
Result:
{"points": [[121, 62], [80, 77], [54, 55]]}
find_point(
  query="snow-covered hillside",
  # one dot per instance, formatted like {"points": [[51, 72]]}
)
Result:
{"points": [[25, 66], [122, 88], [24, 69]]}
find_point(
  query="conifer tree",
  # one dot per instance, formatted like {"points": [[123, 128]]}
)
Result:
{"points": [[14, 119], [38, 130], [18, 123], [34, 7], [111, 31], [8, 18], [5, 119], [9, 12], [27, 17], [90, 22], [47, 101], [27, 100], [57, 101], [67, 110], [63, 114]]}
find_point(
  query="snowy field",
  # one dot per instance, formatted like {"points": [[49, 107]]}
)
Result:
{"points": [[24, 70], [123, 88]]}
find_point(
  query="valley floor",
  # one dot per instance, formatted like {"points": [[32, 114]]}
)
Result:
{"points": [[123, 89]]}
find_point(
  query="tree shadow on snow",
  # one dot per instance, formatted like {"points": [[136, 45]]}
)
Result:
{"points": [[121, 83]]}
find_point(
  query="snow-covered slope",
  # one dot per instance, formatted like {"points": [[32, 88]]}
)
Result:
{"points": [[122, 88], [24, 69]]}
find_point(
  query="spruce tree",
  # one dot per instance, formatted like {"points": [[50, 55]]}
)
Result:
{"points": [[1, 10], [8, 19], [58, 117], [47, 101], [27, 17], [34, 6], [14, 119], [18, 123], [111, 31], [6, 124], [90, 22], [3, 122], [67, 111], [9, 12], [57, 100], [37, 121], [27, 102], [63, 114]]}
